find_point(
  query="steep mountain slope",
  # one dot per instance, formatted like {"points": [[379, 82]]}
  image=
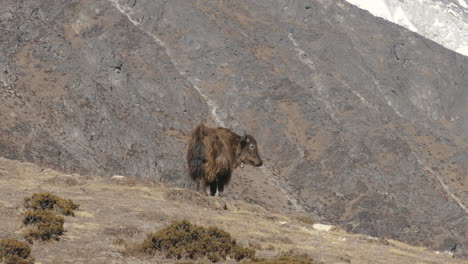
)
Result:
{"points": [[116, 212], [360, 122]]}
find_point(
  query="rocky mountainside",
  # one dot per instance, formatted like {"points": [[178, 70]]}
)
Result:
{"points": [[360, 122]]}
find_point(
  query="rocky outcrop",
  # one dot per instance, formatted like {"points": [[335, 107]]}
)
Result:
{"points": [[360, 122]]}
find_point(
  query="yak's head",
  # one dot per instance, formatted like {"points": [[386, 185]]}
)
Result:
{"points": [[249, 151]]}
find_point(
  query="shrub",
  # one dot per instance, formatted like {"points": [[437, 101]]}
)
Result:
{"points": [[47, 225], [14, 252], [283, 259], [185, 240], [306, 219], [47, 201]]}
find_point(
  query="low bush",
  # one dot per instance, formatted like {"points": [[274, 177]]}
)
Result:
{"points": [[14, 252], [306, 219], [184, 240], [46, 225], [48, 201], [283, 259]]}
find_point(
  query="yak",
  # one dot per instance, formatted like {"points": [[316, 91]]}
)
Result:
{"points": [[213, 153]]}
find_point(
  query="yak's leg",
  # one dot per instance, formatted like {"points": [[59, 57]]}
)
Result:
{"points": [[213, 187], [223, 179], [220, 188], [203, 186]]}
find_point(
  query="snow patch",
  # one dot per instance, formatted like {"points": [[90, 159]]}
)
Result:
{"points": [[462, 50], [376, 7], [444, 23], [399, 17], [463, 3], [322, 227], [381, 8]]}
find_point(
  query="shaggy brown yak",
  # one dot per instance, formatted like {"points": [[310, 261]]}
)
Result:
{"points": [[213, 153]]}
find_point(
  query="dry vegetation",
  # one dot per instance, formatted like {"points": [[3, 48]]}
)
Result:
{"points": [[47, 201], [283, 259], [181, 239], [117, 213], [14, 252], [46, 225]]}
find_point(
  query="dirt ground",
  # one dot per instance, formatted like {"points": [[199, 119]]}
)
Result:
{"points": [[121, 210]]}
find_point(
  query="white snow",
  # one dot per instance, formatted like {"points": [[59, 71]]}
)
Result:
{"points": [[381, 8], [323, 227], [444, 23], [399, 17], [463, 3], [376, 7]]}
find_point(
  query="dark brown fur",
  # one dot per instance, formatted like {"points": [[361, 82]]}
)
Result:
{"points": [[213, 153]]}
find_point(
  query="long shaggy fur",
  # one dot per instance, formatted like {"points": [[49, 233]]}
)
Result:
{"points": [[213, 153], [196, 154], [216, 160]]}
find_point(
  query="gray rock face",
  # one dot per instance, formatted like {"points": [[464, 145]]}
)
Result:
{"points": [[360, 122], [85, 90]]}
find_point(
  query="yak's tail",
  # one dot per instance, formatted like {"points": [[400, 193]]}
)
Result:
{"points": [[196, 153]]}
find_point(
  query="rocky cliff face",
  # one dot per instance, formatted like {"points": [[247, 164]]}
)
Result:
{"points": [[360, 122]]}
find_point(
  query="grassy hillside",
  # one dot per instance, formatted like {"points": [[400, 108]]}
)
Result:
{"points": [[117, 212]]}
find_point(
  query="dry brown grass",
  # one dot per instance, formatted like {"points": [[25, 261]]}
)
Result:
{"points": [[13, 251], [127, 231], [306, 219], [283, 259], [98, 232]]}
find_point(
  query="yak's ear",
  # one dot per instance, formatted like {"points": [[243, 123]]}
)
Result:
{"points": [[243, 140]]}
